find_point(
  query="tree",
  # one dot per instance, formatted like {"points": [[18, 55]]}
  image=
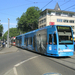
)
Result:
{"points": [[29, 20], [1, 29], [12, 33], [32, 16], [21, 25]]}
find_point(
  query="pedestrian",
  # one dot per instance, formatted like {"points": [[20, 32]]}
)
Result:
{"points": [[3, 44]]}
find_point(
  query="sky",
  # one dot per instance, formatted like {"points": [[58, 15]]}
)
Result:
{"points": [[13, 9]]}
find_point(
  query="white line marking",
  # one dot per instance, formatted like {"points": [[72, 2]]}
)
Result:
{"points": [[14, 68], [15, 71], [26, 60]]}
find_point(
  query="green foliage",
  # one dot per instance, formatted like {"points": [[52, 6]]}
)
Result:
{"points": [[12, 33], [32, 16], [1, 29], [29, 20], [22, 23]]}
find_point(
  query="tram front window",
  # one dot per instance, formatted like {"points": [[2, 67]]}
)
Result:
{"points": [[65, 39], [65, 35]]}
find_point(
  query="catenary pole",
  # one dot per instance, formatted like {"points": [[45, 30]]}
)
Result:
{"points": [[8, 33]]}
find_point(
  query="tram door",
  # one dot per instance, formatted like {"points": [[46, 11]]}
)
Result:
{"points": [[52, 46], [34, 43], [50, 42]]}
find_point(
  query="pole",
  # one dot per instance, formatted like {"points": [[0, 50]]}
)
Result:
{"points": [[8, 32]]}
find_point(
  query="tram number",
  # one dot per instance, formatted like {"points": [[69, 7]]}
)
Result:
{"points": [[50, 48]]}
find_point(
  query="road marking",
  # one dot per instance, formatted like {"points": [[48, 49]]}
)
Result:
{"points": [[15, 70], [26, 60]]}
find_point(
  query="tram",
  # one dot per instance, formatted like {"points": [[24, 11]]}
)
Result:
{"points": [[13, 41], [53, 40]]}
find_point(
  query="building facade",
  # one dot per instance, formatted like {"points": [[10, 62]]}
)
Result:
{"points": [[57, 17]]}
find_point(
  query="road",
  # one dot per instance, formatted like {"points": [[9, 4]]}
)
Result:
{"points": [[36, 66], [8, 60]]}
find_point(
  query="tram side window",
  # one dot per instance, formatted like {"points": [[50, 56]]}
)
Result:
{"points": [[20, 41], [55, 41], [26, 41], [34, 41], [30, 41], [50, 38]]}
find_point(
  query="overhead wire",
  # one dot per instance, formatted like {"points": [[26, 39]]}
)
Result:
{"points": [[36, 2], [15, 6], [12, 7], [70, 7], [18, 6], [26, 4], [47, 4], [65, 2]]}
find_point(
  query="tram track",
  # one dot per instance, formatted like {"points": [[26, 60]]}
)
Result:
{"points": [[67, 62], [73, 58], [69, 59]]}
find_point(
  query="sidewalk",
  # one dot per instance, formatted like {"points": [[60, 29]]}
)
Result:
{"points": [[8, 50]]}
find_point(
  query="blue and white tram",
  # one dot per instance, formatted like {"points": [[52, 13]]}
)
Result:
{"points": [[55, 40], [20, 40]]}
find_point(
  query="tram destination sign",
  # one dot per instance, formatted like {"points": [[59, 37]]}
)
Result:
{"points": [[63, 28]]}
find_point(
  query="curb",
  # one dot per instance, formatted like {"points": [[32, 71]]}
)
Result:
{"points": [[8, 52]]}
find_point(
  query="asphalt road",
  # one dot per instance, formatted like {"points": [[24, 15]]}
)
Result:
{"points": [[8, 60], [42, 65], [37, 66]]}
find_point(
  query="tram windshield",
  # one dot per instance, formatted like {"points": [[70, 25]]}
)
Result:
{"points": [[65, 35]]}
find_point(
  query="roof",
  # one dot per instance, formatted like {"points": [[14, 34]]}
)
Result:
{"points": [[57, 11], [57, 7]]}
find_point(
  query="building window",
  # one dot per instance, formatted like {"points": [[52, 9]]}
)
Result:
{"points": [[44, 25], [45, 20], [49, 12], [53, 13], [71, 21], [64, 14], [70, 15], [40, 22], [58, 13], [40, 26], [66, 21], [59, 20]]}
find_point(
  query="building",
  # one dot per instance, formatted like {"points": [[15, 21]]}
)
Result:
{"points": [[57, 16]]}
